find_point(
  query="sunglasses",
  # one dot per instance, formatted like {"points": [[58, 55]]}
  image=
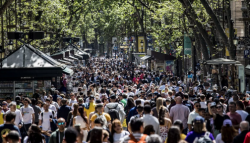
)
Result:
{"points": [[62, 123], [4, 104], [198, 106], [219, 107]]}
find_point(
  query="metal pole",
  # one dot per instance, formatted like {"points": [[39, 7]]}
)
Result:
{"points": [[194, 62], [2, 37]]}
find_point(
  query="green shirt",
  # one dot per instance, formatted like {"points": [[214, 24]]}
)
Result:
{"points": [[124, 102], [54, 138]]}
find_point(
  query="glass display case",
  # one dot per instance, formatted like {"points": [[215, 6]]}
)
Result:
{"points": [[25, 87], [6, 90]]}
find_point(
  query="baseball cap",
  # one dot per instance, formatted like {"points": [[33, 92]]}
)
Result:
{"points": [[113, 96], [198, 120], [227, 122]]}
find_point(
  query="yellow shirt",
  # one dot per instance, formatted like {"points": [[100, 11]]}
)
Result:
{"points": [[108, 118], [183, 136], [91, 109], [1, 119]]}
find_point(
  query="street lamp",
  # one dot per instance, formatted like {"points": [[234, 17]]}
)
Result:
{"points": [[115, 48], [142, 46], [235, 41], [10, 45]]}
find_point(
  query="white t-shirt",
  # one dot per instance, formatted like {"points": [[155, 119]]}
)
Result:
{"points": [[243, 114], [219, 139], [18, 118], [45, 120], [203, 104], [27, 117], [192, 116], [72, 101], [118, 137]]}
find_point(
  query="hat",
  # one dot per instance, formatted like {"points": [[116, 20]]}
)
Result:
{"points": [[18, 98], [202, 94], [227, 122], [198, 120], [91, 96], [113, 96], [212, 104]]}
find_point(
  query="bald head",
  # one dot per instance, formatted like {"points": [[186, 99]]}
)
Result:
{"points": [[244, 125], [61, 120], [178, 100]]}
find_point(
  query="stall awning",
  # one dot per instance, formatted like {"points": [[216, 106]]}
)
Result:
{"points": [[63, 61], [161, 56], [71, 57], [145, 58], [68, 71], [221, 61], [78, 56], [67, 59]]}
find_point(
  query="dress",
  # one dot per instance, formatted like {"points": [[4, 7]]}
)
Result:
{"points": [[164, 132], [79, 120]]}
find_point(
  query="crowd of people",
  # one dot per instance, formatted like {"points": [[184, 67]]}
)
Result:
{"points": [[114, 101]]}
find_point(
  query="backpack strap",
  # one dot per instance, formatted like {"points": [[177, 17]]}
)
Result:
{"points": [[207, 134], [143, 138], [132, 138]]}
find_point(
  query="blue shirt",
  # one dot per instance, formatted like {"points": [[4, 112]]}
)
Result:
{"points": [[63, 112], [192, 135], [131, 113], [6, 128]]}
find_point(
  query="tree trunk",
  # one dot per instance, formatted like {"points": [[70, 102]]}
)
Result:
{"points": [[232, 49], [5, 6], [218, 26], [191, 14]]}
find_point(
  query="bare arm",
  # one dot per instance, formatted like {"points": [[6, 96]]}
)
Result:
{"points": [[74, 121], [189, 127], [33, 118], [40, 123]]}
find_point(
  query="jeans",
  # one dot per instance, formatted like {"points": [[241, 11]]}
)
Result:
{"points": [[47, 138]]}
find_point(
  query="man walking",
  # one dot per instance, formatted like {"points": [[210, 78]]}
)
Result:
{"points": [[64, 110], [181, 112], [8, 125], [27, 114], [115, 108], [57, 136]]}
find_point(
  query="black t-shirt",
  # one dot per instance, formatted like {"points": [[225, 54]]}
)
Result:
{"points": [[6, 128], [218, 122]]}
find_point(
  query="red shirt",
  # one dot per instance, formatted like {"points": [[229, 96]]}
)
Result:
{"points": [[247, 138], [235, 118]]}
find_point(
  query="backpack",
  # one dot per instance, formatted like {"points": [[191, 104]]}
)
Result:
{"points": [[133, 140], [189, 105], [203, 139], [105, 122], [113, 113]]}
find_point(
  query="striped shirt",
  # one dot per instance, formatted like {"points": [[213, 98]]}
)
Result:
{"points": [[136, 135]]}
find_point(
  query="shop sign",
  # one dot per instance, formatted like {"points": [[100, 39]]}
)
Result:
{"points": [[246, 54], [27, 77], [187, 45]]}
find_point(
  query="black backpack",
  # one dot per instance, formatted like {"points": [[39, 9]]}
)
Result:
{"points": [[189, 105], [113, 113]]}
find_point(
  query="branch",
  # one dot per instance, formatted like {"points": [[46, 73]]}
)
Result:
{"points": [[5, 6], [143, 4]]}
